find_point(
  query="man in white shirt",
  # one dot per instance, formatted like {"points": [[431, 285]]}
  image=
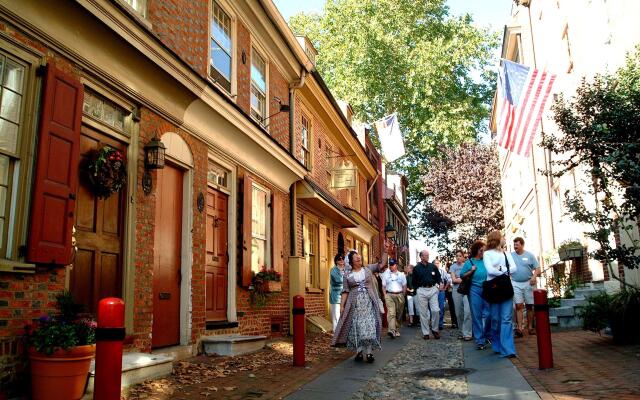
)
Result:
{"points": [[394, 287]]}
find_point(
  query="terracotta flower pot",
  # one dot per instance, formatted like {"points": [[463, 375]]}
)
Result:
{"points": [[62, 375]]}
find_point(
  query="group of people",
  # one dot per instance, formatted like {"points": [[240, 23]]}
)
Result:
{"points": [[357, 292]]}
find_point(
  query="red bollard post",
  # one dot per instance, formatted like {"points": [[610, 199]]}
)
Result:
{"points": [[543, 329], [298, 331], [109, 338]]}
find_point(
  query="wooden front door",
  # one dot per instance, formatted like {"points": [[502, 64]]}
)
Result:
{"points": [[217, 258], [167, 257], [97, 269]]}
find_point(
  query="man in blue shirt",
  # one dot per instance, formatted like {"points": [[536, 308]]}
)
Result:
{"points": [[524, 279]]}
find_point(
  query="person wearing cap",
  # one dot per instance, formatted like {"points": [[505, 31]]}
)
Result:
{"points": [[394, 287]]}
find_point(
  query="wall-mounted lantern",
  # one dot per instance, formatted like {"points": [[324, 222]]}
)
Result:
{"points": [[154, 152]]}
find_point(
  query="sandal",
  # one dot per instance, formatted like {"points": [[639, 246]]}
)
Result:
{"points": [[359, 357], [370, 358]]}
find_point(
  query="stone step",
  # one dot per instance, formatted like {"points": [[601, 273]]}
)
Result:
{"points": [[562, 311], [569, 322], [232, 345], [553, 320], [138, 367], [316, 323], [576, 302], [586, 293]]}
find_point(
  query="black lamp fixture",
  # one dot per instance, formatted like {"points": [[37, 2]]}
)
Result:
{"points": [[389, 231], [154, 152]]}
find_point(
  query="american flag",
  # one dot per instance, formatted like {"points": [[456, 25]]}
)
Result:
{"points": [[522, 93]]}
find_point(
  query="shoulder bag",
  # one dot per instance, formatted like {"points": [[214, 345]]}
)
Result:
{"points": [[498, 289], [464, 287]]}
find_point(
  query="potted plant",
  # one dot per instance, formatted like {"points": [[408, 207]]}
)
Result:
{"points": [[60, 348], [569, 249], [263, 284], [618, 311]]}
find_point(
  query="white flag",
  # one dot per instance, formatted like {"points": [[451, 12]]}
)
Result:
{"points": [[390, 137]]}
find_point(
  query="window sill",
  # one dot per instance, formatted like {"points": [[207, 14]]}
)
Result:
{"points": [[231, 96], [17, 267]]}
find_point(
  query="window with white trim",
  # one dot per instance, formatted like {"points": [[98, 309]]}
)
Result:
{"points": [[221, 47], [304, 148], [139, 6], [258, 87], [260, 217]]}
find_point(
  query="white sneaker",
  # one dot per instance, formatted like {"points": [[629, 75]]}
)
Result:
{"points": [[397, 333]]}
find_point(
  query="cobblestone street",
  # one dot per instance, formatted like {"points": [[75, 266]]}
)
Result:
{"points": [[406, 375]]}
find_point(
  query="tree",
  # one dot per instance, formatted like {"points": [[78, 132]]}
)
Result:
{"points": [[600, 134], [410, 57], [465, 198]]}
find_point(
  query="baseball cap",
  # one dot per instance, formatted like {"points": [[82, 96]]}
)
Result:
{"points": [[392, 261]]}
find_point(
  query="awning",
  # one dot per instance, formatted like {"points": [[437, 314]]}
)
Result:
{"points": [[320, 200], [364, 230]]}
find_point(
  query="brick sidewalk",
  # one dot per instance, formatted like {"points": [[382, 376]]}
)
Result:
{"points": [[266, 374], [586, 366]]}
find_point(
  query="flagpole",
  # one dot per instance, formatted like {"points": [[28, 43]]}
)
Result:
{"points": [[533, 160]]}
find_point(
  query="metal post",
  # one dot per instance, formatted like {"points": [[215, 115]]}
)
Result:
{"points": [[109, 338], [543, 329]]}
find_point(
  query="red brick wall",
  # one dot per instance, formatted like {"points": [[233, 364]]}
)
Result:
{"points": [[244, 69], [278, 123], [150, 125], [183, 26]]}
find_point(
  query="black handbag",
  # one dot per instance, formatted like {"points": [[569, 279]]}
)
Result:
{"points": [[498, 289], [464, 287]]}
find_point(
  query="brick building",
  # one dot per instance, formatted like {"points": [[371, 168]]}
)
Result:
{"points": [[223, 85]]}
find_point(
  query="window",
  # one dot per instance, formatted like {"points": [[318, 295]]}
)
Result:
{"points": [[259, 228], [14, 74], [258, 87], [310, 246], [304, 149], [221, 46], [97, 107], [140, 6]]}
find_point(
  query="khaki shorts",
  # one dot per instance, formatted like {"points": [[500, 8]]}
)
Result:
{"points": [[522, 292]]}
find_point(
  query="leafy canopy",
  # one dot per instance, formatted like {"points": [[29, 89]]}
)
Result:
{"points": [[465, 201], [410, 57], [600, 133]]}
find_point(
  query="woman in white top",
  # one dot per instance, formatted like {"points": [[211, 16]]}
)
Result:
{"points": [[495, 261]]}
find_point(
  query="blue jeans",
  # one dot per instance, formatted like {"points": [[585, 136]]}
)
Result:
{"points": [[502, 328], [480, 316], [442, 296]]}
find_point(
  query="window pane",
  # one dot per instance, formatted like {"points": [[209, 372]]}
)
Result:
{"points": [[3, 202], [4, 171], [258, 72], [138, 5], [8, 135], [221, 27], [258, 104], [259, 203], [14, 76], [10, 107], [220, 60], [258, 248]]}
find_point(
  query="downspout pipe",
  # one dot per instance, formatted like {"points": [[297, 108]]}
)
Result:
{"points": [[292, 147]]}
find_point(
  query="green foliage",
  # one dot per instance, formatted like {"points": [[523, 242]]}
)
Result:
{"points": [[62, 330], [259, 289], [465, 198], [570, 244], [601, 134], [563, 285], [410, 57], [596, 313], [619, 311]]}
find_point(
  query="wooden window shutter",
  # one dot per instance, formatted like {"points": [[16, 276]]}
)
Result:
{"points": [[56, 173], [362, 185], [246, 230], [277, 241]]}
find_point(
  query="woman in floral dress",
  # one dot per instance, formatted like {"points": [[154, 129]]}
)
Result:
{"points": [[360, 324]]}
